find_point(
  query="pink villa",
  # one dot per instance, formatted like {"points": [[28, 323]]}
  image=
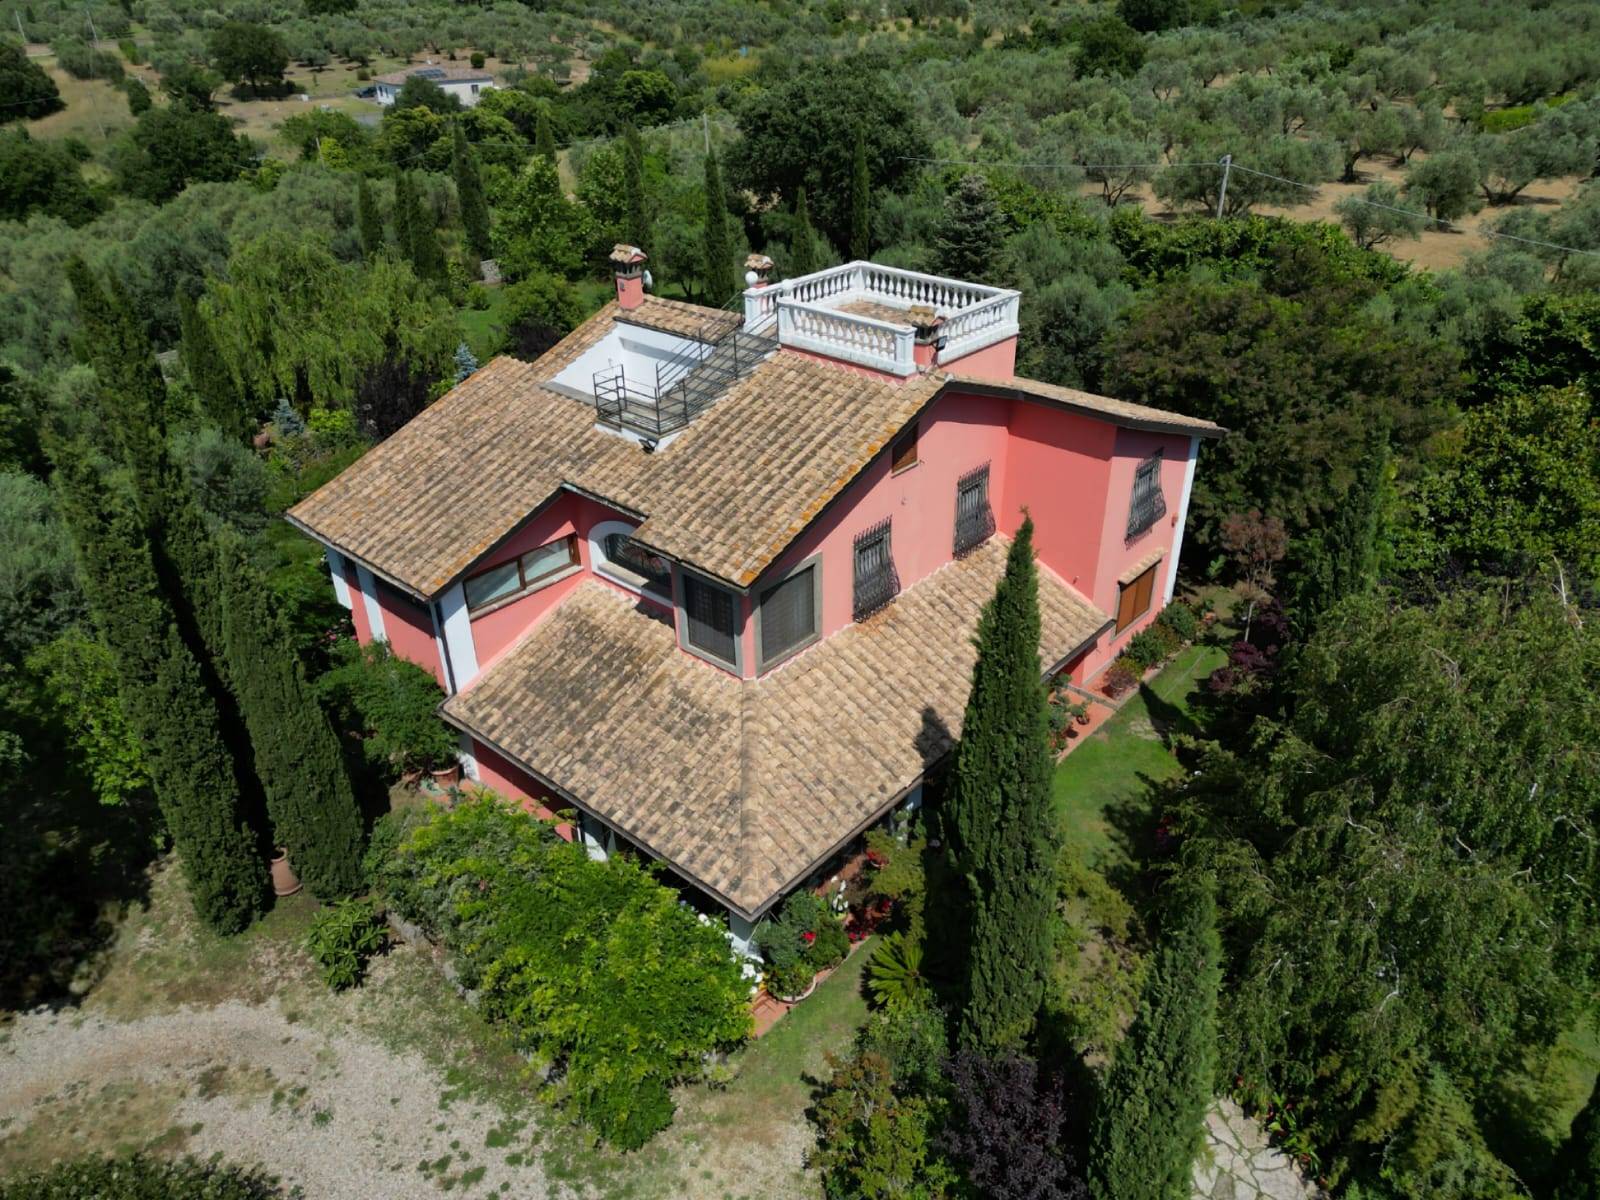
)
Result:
{"points": [[710, 582]]}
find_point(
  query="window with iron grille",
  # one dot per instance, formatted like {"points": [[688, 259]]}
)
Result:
{"points": [[974, 518], [877, 582], [709, 620], [1149, 505], [788, 616], [624, 552]]}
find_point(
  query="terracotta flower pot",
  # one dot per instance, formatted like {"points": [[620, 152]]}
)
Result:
{"points": [[1082, 718], [447, 777], [410, 779], [284, 881]]}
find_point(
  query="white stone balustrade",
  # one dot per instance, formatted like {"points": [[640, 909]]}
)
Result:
{"points": [[865, 341], [807, 314]]}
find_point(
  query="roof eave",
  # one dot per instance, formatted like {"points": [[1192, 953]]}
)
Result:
{"points": [[1018, 390]]}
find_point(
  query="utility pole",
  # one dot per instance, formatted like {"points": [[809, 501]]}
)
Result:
{"points": [[18, 15], [1222, 192], [94, 37]]}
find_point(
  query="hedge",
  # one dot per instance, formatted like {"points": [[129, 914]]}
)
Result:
{"points": [[597, 969], [141, 1178]]}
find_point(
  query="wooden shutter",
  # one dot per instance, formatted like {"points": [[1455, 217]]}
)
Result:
{"points": [[1134, 599], [904, 451]]}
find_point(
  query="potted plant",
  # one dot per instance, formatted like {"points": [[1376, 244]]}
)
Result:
{"points": [[284, 881], [445, 778], [1080, 712]]}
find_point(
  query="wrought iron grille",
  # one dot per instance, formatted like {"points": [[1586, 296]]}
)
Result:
{"points": [[974, 517], [876, 580], [1149, 505]]}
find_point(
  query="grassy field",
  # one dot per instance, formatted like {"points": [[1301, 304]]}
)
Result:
{"points": [[1102, 789]]}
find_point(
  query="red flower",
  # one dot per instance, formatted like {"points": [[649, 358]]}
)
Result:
{"points": [[808, 937]]}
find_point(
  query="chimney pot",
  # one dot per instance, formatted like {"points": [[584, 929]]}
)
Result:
{"points": [[627, 264], [757, 267]]}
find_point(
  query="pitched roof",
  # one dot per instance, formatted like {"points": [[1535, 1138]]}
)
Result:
{"points": [[747, 785], [1123, 412], [726, 495], [430, 500], [685, 320]]}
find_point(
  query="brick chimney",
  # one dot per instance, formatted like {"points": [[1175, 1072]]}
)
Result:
{"points": [[627, 264], [925, 350]]}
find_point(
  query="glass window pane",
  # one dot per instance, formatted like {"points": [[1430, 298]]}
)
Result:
{"points": [[788, 614], [546, 559], [708, 618], [492, 584]]}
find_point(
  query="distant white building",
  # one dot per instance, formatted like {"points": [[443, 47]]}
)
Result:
{"points": [[466, 84]]}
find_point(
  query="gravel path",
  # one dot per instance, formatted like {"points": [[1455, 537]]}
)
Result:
{"points": [[342, 1117]]}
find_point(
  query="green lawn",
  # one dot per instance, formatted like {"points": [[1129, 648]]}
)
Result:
{"points": [[1101, 789]]}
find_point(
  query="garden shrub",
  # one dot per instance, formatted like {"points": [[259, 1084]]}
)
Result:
{"points": [[141, 1178], [1151, 645], [341, 940], [1121, 676], [477, 60], [1181, 619], [395, 700], [804, 938], [595, 968]]}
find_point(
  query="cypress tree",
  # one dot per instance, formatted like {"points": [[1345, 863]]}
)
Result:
{"points": [[369, 222], [718, 245], [803, 246], [1147, 1126], [860, 203], [407, 216], [134, 408], [309, 797], [1576, 1175], [209, 376], [162, 692], [998, 818], [469, 191], [419, 241], [636, 214], [544, 138], [1340, 558]]}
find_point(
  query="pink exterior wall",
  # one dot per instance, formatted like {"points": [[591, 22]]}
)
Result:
{"points": [[409, 628], [502, 775], [496, 630], [1117, 553], [956, 434], [1072, 472], [998, 361]]}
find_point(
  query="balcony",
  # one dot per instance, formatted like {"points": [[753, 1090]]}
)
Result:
{"points": [[874, 316]]}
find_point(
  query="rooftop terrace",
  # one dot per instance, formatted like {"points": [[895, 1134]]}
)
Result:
{"points": [[875, 316]]}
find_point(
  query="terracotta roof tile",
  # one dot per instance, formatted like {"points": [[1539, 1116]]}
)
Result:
{"points": [[1124, 411], [747, 785], [727, 494], [1143, 565], [686, 320]]}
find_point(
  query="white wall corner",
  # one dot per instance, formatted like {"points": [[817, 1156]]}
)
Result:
{"points": [[341, 586], [741, 936], [469, 760], [369, 600], [458, 636], [1183, 521]]}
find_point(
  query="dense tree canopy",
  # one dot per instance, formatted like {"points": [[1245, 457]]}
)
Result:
{"points": [[1408, 862], [803, 132]]}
